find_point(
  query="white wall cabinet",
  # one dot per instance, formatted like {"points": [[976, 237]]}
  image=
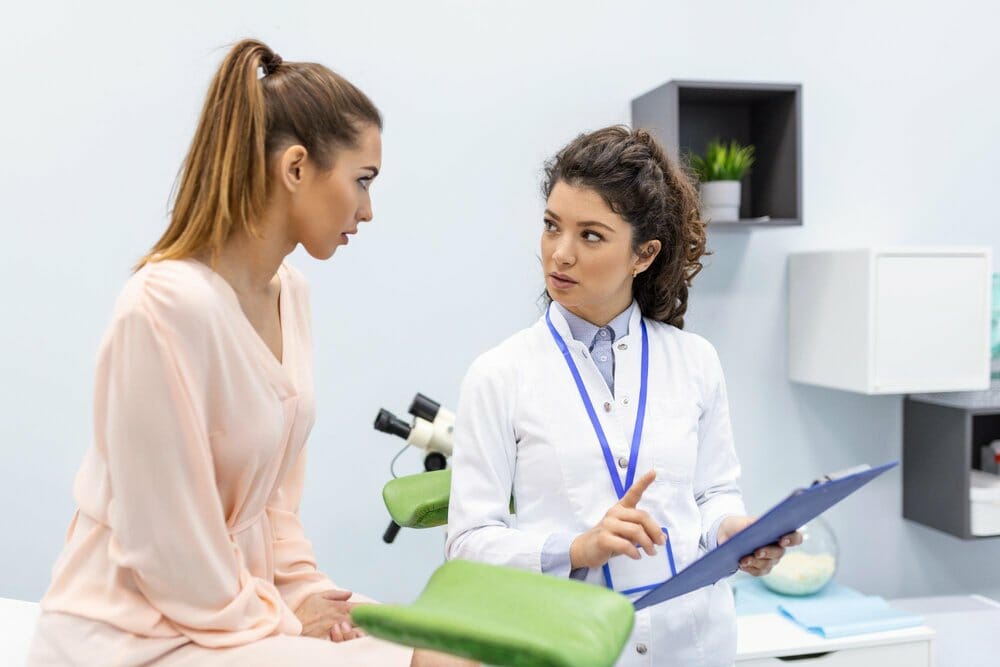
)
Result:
{"points": [[890, 320]]}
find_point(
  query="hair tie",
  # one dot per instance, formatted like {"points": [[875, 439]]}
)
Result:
{"points": [[272, 64]]}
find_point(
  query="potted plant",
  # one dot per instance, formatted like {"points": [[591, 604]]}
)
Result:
{"points": [[719, 172]]}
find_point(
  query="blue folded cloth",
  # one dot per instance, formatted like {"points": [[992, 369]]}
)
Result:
{"points": [[845, 616], [834, 611], [753, 597]]}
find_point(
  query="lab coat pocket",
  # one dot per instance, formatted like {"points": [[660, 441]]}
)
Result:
{"points": [[627, 576], [672, 443]]}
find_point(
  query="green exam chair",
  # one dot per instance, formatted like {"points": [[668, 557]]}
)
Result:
{"points": [[497, 615]]}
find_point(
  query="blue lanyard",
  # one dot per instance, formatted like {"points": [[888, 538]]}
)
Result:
{"points": [[588, 404]]}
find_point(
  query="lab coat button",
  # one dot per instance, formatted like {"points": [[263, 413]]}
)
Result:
{"points": [[607, 407], [625, 401], [640, 649], [622, 462], [622, 346]]}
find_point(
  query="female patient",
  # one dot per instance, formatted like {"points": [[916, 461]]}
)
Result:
{"points": [[186, 547], [608, 422]]}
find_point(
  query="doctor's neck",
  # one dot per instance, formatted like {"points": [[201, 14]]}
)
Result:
{"points": [[601, 313]]}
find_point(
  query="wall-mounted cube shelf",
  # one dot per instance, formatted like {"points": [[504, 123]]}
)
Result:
{"points": [[942, 436], [890, 320], [686, 115]]}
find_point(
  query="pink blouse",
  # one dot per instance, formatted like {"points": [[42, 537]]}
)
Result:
{"points": [[187, 521]]}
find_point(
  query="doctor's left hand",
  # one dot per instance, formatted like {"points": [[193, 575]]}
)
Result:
{"points": [[763, 559]]}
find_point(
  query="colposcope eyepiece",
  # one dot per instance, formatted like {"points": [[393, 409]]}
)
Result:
{"points": [[424, 408], [431, 429], [390, 423]]}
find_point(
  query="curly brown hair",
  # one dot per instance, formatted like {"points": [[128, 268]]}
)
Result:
{"points": [[630, 170]]}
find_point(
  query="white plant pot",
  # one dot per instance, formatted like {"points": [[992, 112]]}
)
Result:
{"points": [[720, 201]]}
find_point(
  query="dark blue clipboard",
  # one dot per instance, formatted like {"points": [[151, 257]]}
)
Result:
{"points": [[786, 517]]}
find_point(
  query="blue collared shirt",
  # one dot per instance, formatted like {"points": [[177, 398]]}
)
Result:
{"points": [[599, 340]]}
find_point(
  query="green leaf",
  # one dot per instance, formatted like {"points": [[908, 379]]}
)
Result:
{"points": [[721, 162]]}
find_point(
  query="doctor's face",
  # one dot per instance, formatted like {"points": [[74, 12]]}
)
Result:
{"points": [[587, 254]]}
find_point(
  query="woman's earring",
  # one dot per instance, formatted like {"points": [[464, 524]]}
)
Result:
{"points": [[635, 272]]}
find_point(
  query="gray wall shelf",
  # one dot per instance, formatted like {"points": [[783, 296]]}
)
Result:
{"points": [[686, 115], [942, 434]]}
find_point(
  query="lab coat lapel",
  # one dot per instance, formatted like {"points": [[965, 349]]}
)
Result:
{"points": [[628, 379], [578, 449]]}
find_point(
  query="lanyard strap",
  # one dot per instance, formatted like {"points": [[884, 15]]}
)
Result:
{"points": [[608, 582], [588, 404]]}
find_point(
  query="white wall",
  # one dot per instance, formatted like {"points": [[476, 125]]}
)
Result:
{"points": [[99, 102]]}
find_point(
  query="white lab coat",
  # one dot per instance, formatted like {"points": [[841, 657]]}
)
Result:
{"points": [[521, 428]]}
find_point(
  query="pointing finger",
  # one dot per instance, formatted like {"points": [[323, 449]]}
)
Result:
{"points": [[634, 493]]}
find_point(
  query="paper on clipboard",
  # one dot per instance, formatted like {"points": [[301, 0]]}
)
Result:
{"points": [[789, 515]]}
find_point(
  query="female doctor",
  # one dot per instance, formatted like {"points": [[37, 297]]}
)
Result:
{"points": [[605, 420]]}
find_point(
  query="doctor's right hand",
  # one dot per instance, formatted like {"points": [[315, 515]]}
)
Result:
{"points": [[621, 529]]}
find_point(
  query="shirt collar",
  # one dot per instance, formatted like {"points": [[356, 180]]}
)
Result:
{"points": [[586, 332]]}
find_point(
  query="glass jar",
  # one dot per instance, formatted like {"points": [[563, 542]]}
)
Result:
{"points": [[805, 569]]}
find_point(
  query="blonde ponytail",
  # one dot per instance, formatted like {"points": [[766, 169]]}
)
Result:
{"points": [[256, 103]]}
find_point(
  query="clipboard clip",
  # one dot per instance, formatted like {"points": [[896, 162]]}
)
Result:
{"points": [[841, 474]]}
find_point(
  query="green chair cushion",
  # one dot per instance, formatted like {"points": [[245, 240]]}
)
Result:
{"points": [[508, 617], [419, 501]]}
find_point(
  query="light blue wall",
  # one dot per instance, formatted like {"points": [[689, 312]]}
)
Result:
{"points": [[900, 137]]}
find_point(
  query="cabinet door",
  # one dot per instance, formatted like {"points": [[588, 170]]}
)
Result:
{"points": [[931, 323]]}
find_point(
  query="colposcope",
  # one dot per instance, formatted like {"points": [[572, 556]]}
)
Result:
{"points": [[431, 430]]}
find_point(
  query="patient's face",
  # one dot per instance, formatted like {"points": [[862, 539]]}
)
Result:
{"points": [[587, 254]]}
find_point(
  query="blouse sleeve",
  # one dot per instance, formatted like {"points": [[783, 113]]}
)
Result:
{"points": [[166, 518], [295, 571]]}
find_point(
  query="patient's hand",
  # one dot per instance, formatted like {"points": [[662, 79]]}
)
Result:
{"points": [[328, 615], [764, 558]]}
